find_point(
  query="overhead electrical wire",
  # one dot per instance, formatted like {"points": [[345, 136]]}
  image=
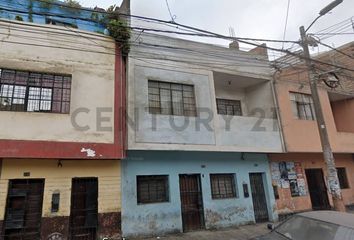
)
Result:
{"points": [[226, 38]]}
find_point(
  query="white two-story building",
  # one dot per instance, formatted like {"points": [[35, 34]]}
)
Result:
{"points": [[201, 120]]}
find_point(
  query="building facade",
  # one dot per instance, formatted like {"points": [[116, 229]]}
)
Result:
{"points": [[61, 140], [198, 134], [299, 176]]}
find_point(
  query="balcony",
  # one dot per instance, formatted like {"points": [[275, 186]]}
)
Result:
{"points": [[246, 117]]}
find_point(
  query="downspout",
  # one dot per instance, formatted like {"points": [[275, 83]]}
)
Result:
{"points": [[276, 102]]}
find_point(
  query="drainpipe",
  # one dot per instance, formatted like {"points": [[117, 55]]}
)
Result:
{"points": [[276, 102]]}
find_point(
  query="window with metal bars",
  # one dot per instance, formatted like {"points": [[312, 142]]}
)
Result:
{"points": [[223, 186], [171, 99], [23, 91], [152, 189], [342, 177], [229, 107], [302, 106]]}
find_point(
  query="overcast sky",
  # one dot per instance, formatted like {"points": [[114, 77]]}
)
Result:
{"points": [[251, 18]]}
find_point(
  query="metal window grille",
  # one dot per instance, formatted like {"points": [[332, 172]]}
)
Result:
{"points": [[171, 99], [223, 186], [152, 189], [302, 106], [229, 107], [23, 91], [342, 177]]}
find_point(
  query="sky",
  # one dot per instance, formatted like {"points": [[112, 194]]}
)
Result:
{"points": [[251, 18]]}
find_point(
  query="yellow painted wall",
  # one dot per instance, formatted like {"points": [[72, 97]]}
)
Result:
{"points": [[58, 179]]}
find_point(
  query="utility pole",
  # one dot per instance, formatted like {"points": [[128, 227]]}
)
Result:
{"points": [[332, 175]]}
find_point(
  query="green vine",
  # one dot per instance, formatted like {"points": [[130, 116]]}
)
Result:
{"points": [[72, 5], [19, 18], [118, 29], [30, 11], [47, 4]]}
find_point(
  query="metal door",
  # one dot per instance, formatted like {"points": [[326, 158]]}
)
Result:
{"points": [[258, 197], [84, 209], [317, 189], [191, 202], [23, 210]]}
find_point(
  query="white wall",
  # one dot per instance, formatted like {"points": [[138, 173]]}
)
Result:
{"points": [[90, 60], [148, 63]]}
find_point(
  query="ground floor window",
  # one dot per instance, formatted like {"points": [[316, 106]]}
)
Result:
{"points": [[342, 177], [223, 186], [152, 189]]}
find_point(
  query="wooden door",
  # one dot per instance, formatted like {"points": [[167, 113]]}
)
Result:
{"points": [[191, 202], [24, 209], [84, 209], [260, 206], [317, 189]]}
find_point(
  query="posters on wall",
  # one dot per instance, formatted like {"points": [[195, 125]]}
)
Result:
{"points": [[289, 175]]}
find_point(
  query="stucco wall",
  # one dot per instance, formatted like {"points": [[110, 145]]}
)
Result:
{"points": [[302, 135], [159, 218], [88, 57], [157, 132], [343, 112], [58, 179], [287, 204]]}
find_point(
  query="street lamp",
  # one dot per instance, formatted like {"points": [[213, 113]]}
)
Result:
{"points": [[333, 181]]}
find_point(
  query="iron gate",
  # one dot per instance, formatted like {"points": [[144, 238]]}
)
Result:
{"points": [[23, 210], [84, 209], [191, 202], [258, 197]]}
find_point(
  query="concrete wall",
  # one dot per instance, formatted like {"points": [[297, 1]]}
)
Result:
{"points": [[157, 132], [59, 179], [343, 113], [160, 218], [287, 204], [302, 135], [58, 50]]}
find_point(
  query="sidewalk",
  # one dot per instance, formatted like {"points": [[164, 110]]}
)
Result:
{"points": [[239, 233]]}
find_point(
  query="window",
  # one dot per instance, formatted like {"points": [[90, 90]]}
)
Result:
{"points": [[152, 189], [229, 107], [342, 177], [22, 91], [171, 99], [223, 186], [302, 106]]}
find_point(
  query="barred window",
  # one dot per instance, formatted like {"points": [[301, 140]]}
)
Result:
{"points": [[152, 189], [171, 99], [223, 186], [302, 106], [229, 107], [342, 177], [23, 91]]}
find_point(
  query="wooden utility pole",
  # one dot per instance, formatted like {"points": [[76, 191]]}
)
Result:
{"points": [[326, 147]]}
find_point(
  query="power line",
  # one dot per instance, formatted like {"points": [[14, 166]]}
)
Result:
{"points": [[335, 49], [286, 22]]}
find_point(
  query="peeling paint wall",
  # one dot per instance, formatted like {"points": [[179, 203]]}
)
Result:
{"points": [[288, 204], [58, 180], [59, 50], [160, 218]]}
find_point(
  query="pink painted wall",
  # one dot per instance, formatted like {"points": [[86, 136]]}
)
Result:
{"points": [[343, 112], [286, 203]]}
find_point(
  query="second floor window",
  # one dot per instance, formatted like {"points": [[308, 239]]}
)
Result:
{"points": [[229, 107], [171, 99], [302, 106], [22, 91]]}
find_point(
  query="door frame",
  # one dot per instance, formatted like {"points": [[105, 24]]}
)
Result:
{"points": [[328, 207], [201, 208]]}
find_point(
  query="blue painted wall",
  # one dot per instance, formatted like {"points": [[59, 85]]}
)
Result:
{"points": [[160, 218], [9, 9]]}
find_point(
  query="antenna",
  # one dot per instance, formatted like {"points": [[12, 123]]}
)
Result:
{"points": [[232, 32]]}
